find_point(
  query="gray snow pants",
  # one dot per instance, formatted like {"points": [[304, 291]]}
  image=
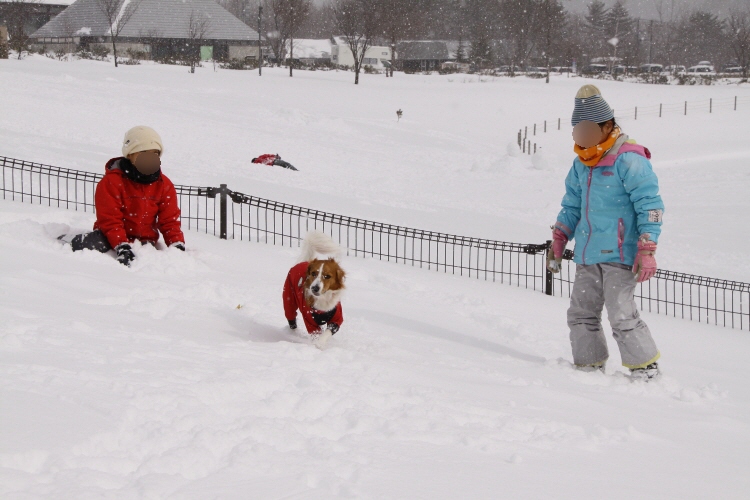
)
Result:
{"points": [[613, 285]]}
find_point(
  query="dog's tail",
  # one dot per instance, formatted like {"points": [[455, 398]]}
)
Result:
{"points": [[317, 244]]}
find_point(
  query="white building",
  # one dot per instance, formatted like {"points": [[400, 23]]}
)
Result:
{"points": [[378, 57]]}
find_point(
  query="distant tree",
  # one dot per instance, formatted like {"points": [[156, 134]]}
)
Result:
{"points": [[738, 33], [701, 37], [17, 14], [461, 55], [518, 24], [292, 15], [482, 19], [197, 29], [359, 23], [319, 24], [619, 28], [117, 14], [596, 28], [399, 19], [552, 23]]}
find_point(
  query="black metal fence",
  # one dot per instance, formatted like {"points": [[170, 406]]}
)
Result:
{"points": [[239, 216]]}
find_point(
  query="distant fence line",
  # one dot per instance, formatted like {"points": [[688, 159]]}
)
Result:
{"points": [[525, 135], [239, 216]]}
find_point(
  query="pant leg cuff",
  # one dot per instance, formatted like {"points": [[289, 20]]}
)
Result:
{"points": [[644, 365]]}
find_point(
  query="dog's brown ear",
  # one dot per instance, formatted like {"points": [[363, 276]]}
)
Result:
{"points": [[340, 276]]}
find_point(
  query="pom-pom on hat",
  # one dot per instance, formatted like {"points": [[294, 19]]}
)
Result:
{"points": [[591, 106], [139, 139]]}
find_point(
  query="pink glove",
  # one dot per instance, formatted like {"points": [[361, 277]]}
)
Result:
{"points": [[554, 257], [645, 263], [559, 240]]}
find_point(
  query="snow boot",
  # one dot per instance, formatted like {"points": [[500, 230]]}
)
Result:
{"points": [[646, 373], [592, 368]]}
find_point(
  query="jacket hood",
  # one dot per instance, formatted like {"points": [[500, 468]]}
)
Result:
{"points": [[123, 166]]}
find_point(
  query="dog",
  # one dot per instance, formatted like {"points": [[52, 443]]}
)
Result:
{"points": [[314, 288]]}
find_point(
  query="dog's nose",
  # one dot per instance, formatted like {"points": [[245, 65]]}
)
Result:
{"points": [[315, 288]]}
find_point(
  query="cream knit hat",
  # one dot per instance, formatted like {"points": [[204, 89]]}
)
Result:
{"points": [[139, 139]]}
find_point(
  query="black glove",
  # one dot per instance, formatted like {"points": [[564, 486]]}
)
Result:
{"points": [[179, 245], [125, 254], [293, 324], [333, 327]]}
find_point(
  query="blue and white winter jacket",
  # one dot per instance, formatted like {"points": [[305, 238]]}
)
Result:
{"points": [[607, 207]]}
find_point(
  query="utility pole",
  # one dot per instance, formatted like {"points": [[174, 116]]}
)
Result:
{"points": [[260, 47]]}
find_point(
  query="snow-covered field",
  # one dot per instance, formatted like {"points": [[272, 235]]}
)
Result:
{"points": [[177, 379]]}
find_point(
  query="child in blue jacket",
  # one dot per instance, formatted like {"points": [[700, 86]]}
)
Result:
{"points": [[613, 210]]}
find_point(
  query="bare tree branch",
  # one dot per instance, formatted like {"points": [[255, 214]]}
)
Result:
{"points": [[117, 13], [358, 21]]}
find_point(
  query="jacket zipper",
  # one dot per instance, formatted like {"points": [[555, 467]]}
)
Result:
{"points": [[621, 237], [588, 193]]}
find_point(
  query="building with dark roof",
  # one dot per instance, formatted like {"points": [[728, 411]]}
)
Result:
{"points": [[34, 14], [160, 28], [426, 55]]}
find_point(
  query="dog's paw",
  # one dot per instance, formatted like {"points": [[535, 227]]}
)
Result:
{"points": [[322, 339]]}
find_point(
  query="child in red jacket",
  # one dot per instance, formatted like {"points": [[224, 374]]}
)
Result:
{"points": [[134, 201]]}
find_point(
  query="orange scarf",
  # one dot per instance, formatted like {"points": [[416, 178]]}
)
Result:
{"points": [[591, 156]]}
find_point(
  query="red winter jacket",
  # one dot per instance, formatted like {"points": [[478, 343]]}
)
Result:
{"points": [[294, 298], [266, 159], [127, 210]]}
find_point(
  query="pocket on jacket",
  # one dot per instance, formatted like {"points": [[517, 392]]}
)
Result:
{"points": [[621, 237]]}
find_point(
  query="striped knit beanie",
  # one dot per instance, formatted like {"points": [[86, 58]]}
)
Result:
{"points": [[591, 106]]}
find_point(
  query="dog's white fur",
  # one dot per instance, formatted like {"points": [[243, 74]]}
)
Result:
{"points": [[318, 245]]}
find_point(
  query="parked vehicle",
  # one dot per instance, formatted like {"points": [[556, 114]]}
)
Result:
{"points": [[624, 70], [561, 69], [651, 68], [701, 70], [595, 69], [507, 69], [732, 68], [675, 70]]}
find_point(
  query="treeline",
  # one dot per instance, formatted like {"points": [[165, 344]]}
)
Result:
{"points": [[521, 32]]}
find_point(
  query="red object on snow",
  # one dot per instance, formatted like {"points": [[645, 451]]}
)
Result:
{"points": [[127, 211], [266, 159], [294, 298], [273, 160]]}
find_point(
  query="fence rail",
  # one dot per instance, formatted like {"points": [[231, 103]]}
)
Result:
{"points": [[239, 216], [526, 141]]}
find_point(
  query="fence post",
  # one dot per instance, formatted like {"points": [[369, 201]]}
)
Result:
{"points": [[535, 129], [547, 273], [519, 138], [636, 113], [529, 150], [223, 211], [659, 110], [735, 103], [711, 105], [685, 108], [524, 146], [525, 133], [545, 126], [535, 148], [558, 120]]}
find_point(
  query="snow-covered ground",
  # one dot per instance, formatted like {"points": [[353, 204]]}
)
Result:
{"points": [[177, 378]]}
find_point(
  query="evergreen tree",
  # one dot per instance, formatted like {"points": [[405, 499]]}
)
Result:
{"points": [[596, 28]]}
